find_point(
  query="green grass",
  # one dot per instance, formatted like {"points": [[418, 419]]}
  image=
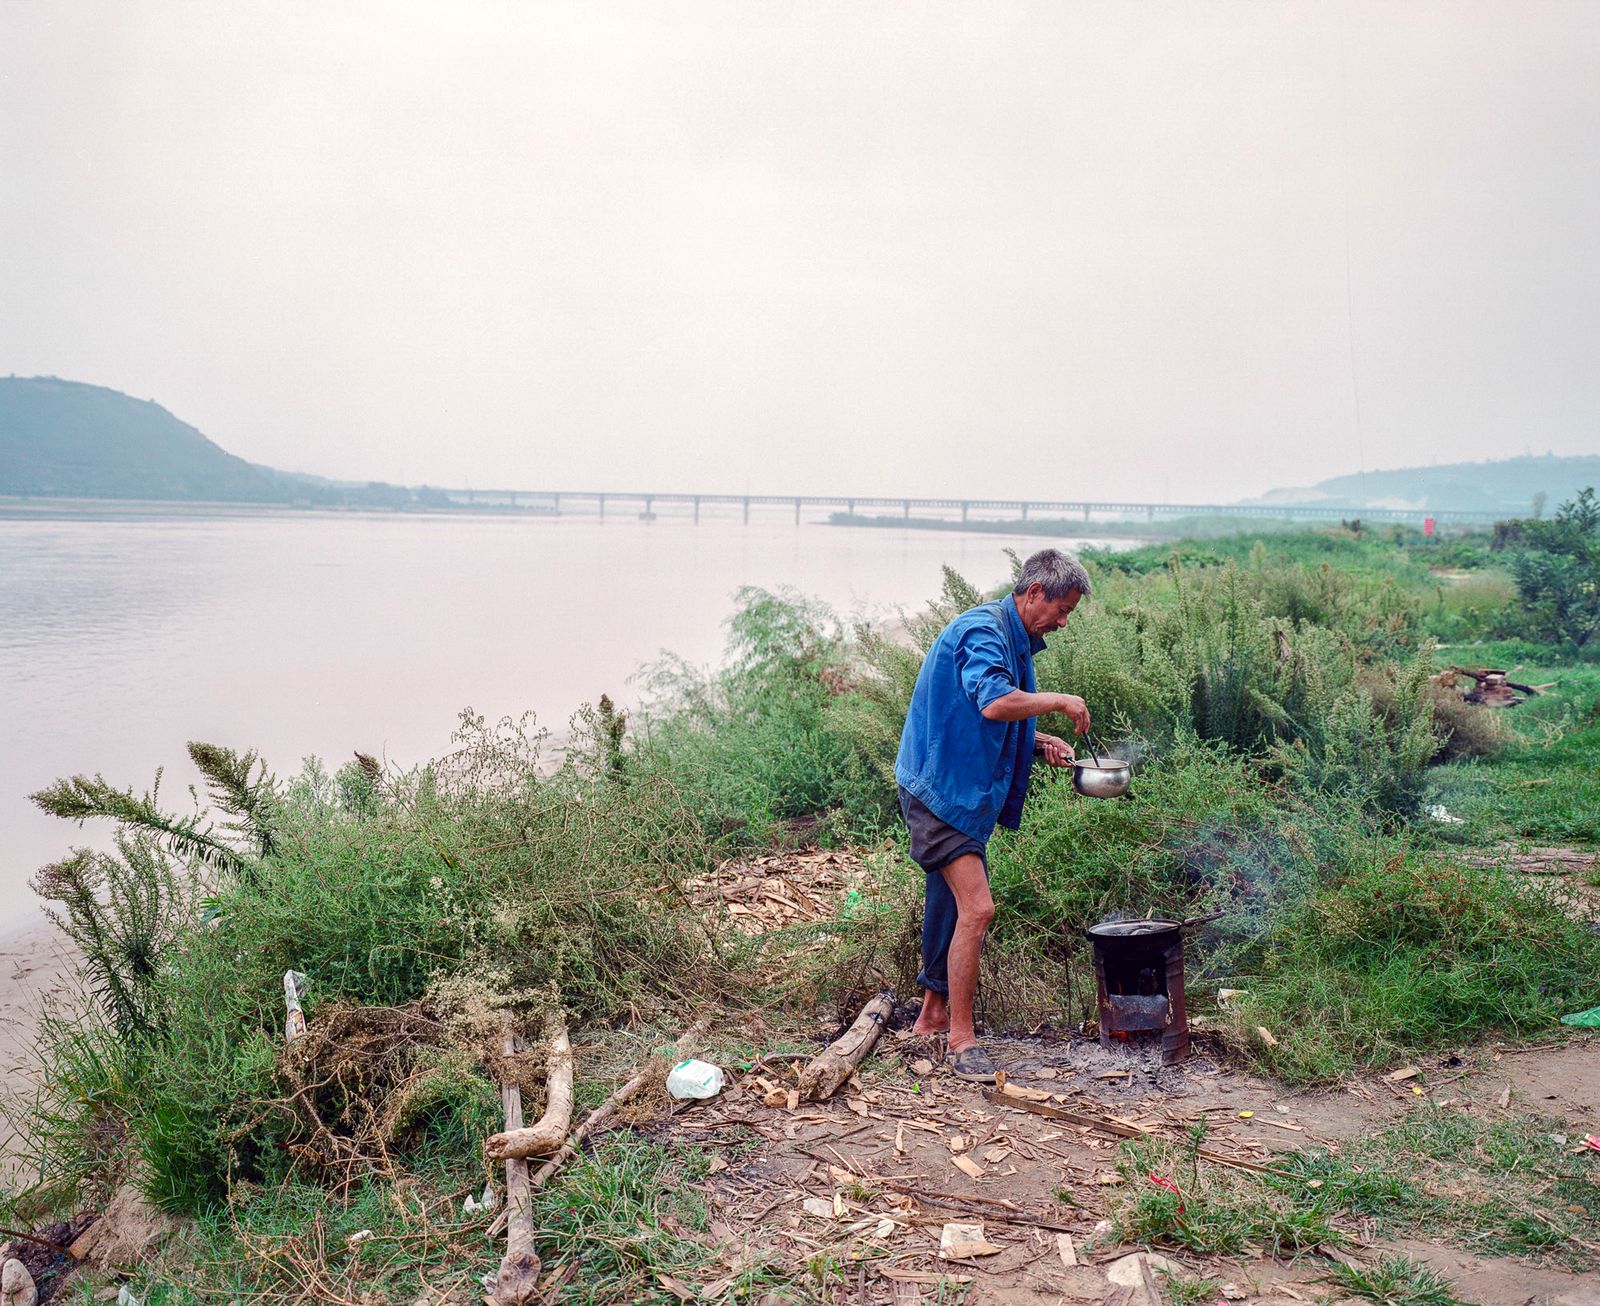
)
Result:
{"points": [[627, 1220], [1396, 1281], [1215, 1211], [1408, 950], [1545, 786], [1497, 1187]]}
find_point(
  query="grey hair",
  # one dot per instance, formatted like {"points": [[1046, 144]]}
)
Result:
{"points": [[1059, 573]]}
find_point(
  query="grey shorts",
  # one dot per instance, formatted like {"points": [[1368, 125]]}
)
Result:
{"points": [[935, 844]]}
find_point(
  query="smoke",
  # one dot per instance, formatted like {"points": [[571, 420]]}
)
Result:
{"points": [[1132, 750]]}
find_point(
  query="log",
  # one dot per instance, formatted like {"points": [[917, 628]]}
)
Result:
{"points": [[821, 1079], [517, 1280], [551, 1131]]}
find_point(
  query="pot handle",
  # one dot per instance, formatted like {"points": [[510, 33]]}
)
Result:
{"points": [[1201, 920]]}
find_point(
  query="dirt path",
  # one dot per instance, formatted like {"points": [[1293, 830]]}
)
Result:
{"points": [[887, 1166]]}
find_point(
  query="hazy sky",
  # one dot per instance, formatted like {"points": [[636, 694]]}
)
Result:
{"points": [[1143, 250]]}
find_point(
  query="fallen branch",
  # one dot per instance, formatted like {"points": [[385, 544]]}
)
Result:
{"points": [[57, 1248], [518, 1277], [602, 1113], [986, 1211], [551, 1131], [821, 1079], [1119, 1130]]}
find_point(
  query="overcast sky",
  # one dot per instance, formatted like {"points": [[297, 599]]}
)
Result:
{"points": [[1188, 251]]}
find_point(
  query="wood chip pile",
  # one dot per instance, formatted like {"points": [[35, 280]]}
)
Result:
{"points": [[778, 890]]}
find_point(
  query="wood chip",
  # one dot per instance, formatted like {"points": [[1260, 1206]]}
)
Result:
{"points": [[921, 1276], [1505, 1097], [968, 1166], [995, 1155], [900, 1137], [1403, 1074], [960, 1241], [1069, 1254], [1266, 1036], [1026, 1094], [905, 1294], [922, 1066]]}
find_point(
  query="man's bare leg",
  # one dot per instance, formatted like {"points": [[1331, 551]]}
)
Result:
{"points": [[934, 1018], [974, 910]]}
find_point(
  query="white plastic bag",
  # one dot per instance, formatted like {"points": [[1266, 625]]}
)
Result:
{"points": [[694, 1079]]}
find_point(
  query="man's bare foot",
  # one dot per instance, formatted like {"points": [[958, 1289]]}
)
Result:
{"points": [[934, 1018]]}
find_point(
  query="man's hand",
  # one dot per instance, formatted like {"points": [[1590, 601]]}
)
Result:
{"points": [[1056, 752], [1075, 710]]}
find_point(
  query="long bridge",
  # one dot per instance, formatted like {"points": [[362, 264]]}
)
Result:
{"points": [[645, 503]]}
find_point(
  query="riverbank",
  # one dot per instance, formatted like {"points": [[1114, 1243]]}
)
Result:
{"points": [[37, 965]]}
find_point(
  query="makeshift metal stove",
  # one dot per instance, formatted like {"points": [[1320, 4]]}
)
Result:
{"points": [[1138, 976]]}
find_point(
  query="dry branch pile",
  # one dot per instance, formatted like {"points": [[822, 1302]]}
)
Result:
{"points": [[362, 1080]]}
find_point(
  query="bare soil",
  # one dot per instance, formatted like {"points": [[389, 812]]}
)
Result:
{"points": [[880, 1167]]}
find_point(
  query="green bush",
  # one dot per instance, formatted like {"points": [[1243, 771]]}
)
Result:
{"points": [[568, 884], [751, 746], [1557, 568]]}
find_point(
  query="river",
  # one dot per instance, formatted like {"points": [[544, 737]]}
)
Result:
{"points": [[124, 635]]}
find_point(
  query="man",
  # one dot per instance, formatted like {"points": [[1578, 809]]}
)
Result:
{"points": [[965, 755]]}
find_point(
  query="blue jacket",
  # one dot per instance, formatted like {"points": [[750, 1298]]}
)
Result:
{"points": [[970, 772]]}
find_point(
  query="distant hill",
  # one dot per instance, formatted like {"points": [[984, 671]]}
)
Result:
{"points": [[1506, 485], [70, 440]]}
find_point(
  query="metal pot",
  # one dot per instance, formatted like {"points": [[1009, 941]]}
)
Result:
{"points": [[1147, 931], [1101, 777]]}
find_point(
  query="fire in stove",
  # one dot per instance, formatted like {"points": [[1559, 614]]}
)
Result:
{"points": [[1138, 976]]}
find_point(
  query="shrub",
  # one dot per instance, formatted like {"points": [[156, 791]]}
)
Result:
{"points": [[568, 884], [751, 745], [1557, 569]]}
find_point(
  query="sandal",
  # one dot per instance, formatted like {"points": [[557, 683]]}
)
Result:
{"points": [[973, 1065]]}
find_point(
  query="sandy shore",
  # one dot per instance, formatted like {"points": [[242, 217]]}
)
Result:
{"points": [[35, 962]]}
